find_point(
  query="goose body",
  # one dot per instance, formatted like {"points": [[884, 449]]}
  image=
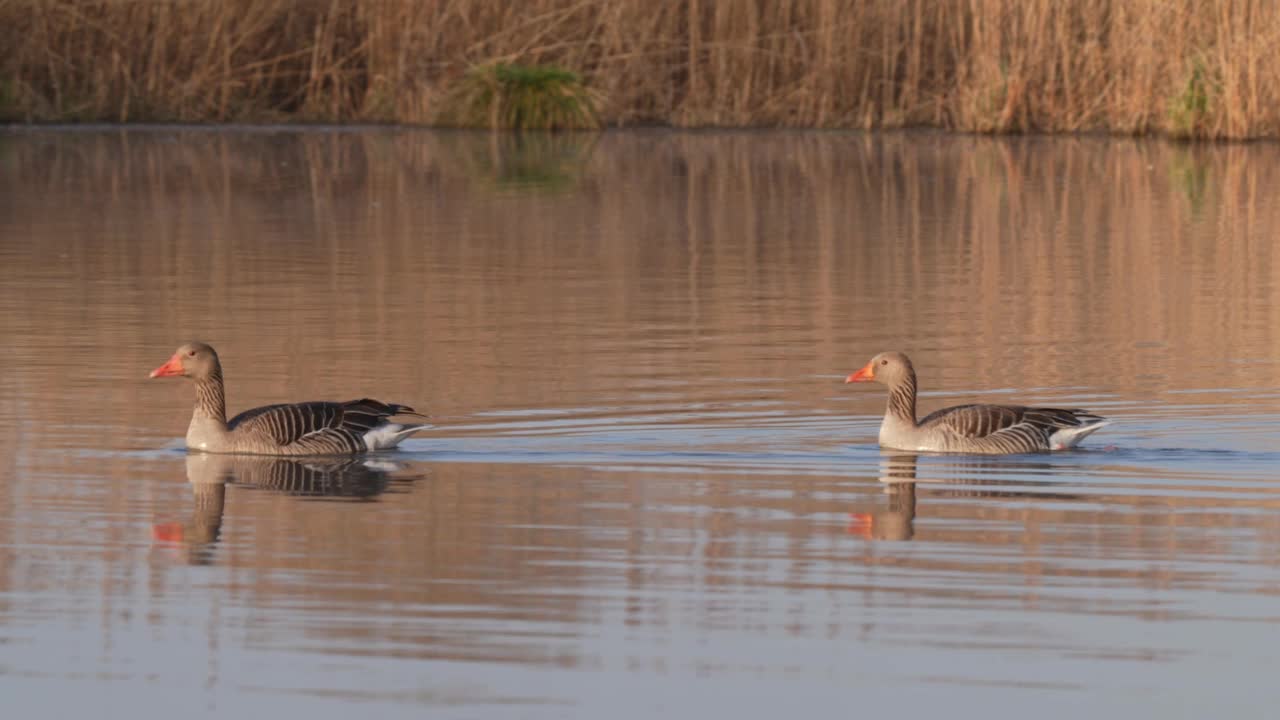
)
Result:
{"points": [[309, 428], [978, 429]]}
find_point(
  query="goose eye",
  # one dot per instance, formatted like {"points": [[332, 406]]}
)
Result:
{"points": [[884, 362], [191, 353]]}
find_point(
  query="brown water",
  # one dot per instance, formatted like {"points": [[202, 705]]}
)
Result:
{"points": [[648, 491]]}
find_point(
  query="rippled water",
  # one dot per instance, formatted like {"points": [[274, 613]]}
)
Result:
{"points": [[648, 491]]}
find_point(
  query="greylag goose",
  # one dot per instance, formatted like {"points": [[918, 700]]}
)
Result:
{"points": [[979, 429], [310, 428]]}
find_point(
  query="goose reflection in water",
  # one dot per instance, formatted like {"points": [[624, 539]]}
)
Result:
{"points": [[899, 474], [345, 478]]}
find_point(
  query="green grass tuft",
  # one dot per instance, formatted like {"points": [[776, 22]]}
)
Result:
{"points": [[1189, 110], [503, 96], [9, 101]]}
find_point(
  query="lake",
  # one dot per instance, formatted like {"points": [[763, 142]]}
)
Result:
{"points": [[648, 490]]}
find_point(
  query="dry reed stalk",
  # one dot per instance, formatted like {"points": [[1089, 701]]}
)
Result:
{"points": [[1181, 67]]}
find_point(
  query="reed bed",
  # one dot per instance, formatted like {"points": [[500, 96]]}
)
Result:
{"points": [[1189, 68]]}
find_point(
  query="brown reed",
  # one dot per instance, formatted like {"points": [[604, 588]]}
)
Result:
{"points": [[1194, 68]]}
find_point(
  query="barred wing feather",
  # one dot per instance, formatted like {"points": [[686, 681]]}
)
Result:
{"points": [[319, 427], [1008, 428]]}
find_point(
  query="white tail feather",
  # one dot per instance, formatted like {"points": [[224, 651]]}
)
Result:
{"points": [[389, 435], [1067, 438]]}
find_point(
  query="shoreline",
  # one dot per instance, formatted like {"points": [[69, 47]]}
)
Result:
{"points": [[358, 127], [1176, 69]]}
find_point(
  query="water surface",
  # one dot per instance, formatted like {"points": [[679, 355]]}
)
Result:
{"points": [[648, 491]]}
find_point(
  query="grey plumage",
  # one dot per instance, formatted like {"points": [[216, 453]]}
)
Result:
{"points": [[309, 428], [319, 428], [983, 429], [1005, 429]]}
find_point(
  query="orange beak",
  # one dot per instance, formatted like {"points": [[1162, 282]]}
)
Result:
{"points": [[169, 369], [866, 373], [861, 524], [167, 532]]}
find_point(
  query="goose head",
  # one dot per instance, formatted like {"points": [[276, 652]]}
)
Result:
{"points": [[888, 368], [194, 360]]}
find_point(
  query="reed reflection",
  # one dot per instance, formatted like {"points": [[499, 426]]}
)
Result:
{"points": [[668, 254]]}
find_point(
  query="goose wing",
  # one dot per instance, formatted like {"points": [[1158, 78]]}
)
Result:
{"points": [[328, 426], [1008, 428]]}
